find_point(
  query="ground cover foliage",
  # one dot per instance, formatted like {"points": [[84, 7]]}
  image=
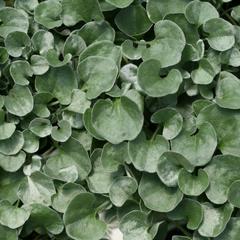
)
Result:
{"points": [[119, 115]]}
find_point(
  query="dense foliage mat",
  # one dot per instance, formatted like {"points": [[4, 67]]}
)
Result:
{"points": [[120, 117]]}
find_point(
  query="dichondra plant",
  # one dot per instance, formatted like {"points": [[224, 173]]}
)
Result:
{"points": [[119, 116]]}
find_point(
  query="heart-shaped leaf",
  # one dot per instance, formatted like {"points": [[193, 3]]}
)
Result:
{"points": [[133, 20], [189, 210], [221, 34], [47, 13], [153, 84], [199, 148], [63, 132], [65, 194], [77, 10], [198, 12], [117, 121], [227, 93], [170, 119], [60, 82], [20, 71], [69, 163], [135, 224], [12, 20], [145, 153], [156, 196], [168, 45], [36, 188], [96, 77], [11, 216], [222, 172], [193, 185], [121, 190], [215, 219]]}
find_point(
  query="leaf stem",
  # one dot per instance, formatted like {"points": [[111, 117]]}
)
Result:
{"points": [[182, 230], [155, 133]]}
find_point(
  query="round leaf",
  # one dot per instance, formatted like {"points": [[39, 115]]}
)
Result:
{"points": [[39, 64], [233, 194], [6, 130], [63, 132], [40, 127]]}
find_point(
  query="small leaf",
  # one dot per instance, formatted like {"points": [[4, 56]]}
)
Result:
{"points": [[145, 154], [52, 221], [40, 127], [11, 216], [121, 190], [76, 10], [199, 148], [12, 163], [221, 34], [47, 13], [198, 12], [60, 82], [133, 20], [64, 195], [3, 55], [193, 185], [36, 188], [83, 224], [154, 85], [156, 196], [117, 121], [12, 145], [52, 57], [63, 132], [39, 65], [69, 163], [18, 44], [169, 167], [12, 20], [96, 77], [190, 211], [171, 120], [227, 93], [19, 101], [233, 194], [20, 71], [236, 13], [168, 45], [158, 10], [135, 224], [6, 130], [214, 219]]}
